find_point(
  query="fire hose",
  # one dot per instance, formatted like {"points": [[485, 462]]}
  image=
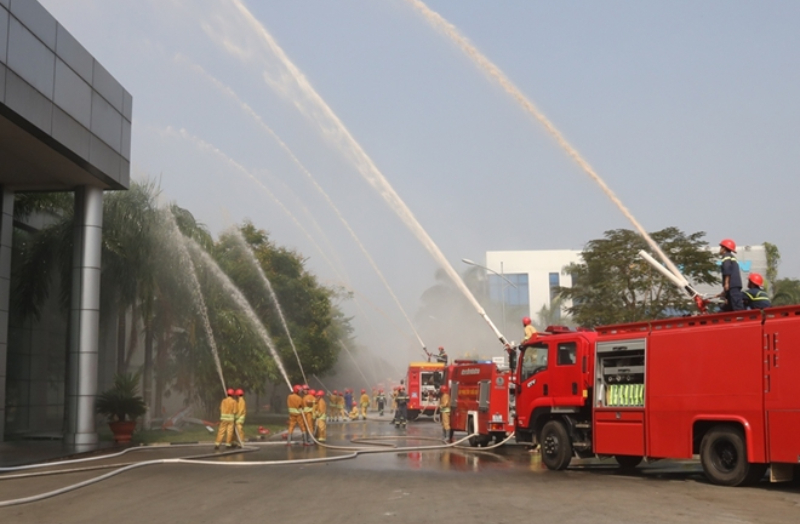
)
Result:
{"points": [[375, 442]]}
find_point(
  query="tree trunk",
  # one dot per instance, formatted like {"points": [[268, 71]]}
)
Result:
{"points": [[147, 380], [133, 343], [160, 371], [121, 331]]}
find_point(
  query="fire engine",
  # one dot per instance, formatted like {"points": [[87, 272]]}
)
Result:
{"points": [[481, 400], [422, 386], [724, 387]]}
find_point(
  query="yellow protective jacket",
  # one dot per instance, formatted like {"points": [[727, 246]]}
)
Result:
{"points": [[241, 410], [227, 409], [308, 403], [295, 404], [321, 410], [364, 399], [444, 403]]}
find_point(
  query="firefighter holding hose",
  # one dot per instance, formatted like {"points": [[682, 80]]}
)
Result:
{"points": [[241, 412], [321, 416], [755, 297], [295, 404], [309, 400], [227, 416]]}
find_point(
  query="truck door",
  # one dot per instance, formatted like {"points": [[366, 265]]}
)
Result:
{"points": [[534, 379], [782, 388], [566, 381]]}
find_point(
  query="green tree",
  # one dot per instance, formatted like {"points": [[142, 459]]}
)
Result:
{"points": [[773, 261], [614, 285], [786, 292]]}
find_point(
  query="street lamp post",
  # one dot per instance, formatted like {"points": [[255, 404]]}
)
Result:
{"points": [[502, 290]]}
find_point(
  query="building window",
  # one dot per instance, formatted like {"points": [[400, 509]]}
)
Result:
{"points": [[501, 291], [555, 283]]}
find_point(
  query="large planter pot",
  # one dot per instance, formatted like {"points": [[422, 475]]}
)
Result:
{"points": [[123, 431]]}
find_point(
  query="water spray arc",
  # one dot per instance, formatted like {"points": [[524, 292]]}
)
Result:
{"points": [[490, 69], [242, 302], [257, 118], [349, 354], [196, 290], [267, 284], [311, 104]]}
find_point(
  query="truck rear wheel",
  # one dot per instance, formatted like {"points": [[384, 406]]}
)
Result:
{"points": [[413, 414], [724, 458], [556, 447]]}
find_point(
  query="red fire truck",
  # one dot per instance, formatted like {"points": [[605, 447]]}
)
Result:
{"points": [[724, 387], [423, 381], [481, 400]]}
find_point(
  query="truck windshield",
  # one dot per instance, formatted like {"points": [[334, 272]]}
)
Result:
{"points": [[534, 360]]}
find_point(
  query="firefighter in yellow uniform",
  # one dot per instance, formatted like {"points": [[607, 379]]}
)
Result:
{"points": [[364, 401], [241, 412], [309, 400], [227, 415], [295, 404], [353, 415], [321, 415], [444, 413]]}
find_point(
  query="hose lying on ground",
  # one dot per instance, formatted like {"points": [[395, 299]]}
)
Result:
{"points": [[198, 459]]}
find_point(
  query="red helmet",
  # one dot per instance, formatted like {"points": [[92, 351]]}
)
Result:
{"points": [[335, 392], [728, 244], [231, 392], [239, 392], [363, 390], [380, 391], [305, 386], [526, 321], [441, 348], [312, 392], [756, 279], [320, 393], [297, 388], [444, 389]]}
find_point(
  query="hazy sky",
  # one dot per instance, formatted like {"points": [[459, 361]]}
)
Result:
{"points": [[689, 110]]}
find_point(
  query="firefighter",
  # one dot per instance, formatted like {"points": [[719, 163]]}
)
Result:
{"points": [[530, 331], [241, 412], [444, 413], [755, 297], [295, 404], [402, 407], [731, 277], [442, 356], [353, 413], [321, 416], [309, 400], [364, 401], [348, 400], [380, 400], [227, 416]]}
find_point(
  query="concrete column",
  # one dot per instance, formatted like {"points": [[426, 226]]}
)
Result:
{"points": [[6, 230], [84, 320]]}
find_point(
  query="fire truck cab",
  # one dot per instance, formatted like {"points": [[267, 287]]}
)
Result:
{"points": [[481, 400], [423, 381], [723, 387]]}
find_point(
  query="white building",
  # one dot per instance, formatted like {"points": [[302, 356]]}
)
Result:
{"points": [[534, 273]]}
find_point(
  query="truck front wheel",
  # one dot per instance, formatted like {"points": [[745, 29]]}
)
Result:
{"points": [[556, 447], [724, 458]]}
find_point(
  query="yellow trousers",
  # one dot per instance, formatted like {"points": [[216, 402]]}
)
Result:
{"points": [[445, 421], [240, 432], [295, 419], [225, 432], [322, 430], [364, 410]]}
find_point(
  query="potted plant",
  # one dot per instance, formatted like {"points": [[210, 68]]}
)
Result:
{"points": [[122, 406]]}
